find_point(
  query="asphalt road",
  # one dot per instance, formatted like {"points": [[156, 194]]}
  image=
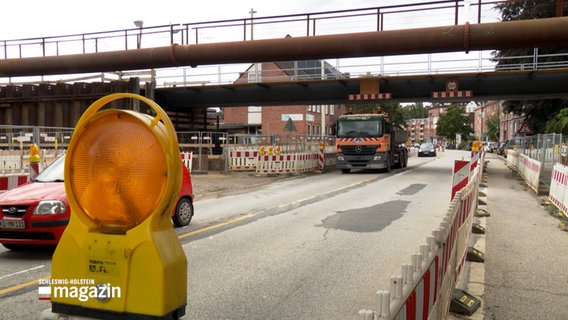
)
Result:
{"points": [[313, 247]]}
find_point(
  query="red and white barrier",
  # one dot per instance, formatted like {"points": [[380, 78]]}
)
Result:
{"points": [[286, 163], [530, 169], [243, 160], [513, 158], [187, 158], [425, 288], [11, 181], [559, 187], [460, 176]]}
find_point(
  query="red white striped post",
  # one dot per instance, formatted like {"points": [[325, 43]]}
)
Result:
{"points": [[460, 176]]}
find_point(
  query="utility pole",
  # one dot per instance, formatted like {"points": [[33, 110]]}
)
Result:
{"points": [[252, 12]]}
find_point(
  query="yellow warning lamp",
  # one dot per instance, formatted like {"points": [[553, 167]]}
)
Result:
{"points": [[475, 146], [34, 154], [122, 178]]}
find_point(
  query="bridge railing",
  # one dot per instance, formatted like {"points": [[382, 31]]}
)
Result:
{"points": [[395, 17], [432, 13], [428, 14]]}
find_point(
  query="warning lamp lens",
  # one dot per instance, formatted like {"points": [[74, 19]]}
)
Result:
{"points": [[118, 172]]}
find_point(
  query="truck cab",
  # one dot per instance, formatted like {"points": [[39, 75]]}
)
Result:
{"points": [[369, 141]]}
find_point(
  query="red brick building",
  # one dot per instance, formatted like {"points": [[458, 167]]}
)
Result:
{"points": [[422, 130], [481, 115], [280, 120]]}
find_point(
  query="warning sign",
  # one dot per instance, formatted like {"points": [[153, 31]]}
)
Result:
{"points": [[525, 128]]}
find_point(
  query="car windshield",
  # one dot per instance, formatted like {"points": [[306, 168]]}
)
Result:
{"points": [[53, 173], [425, 146]]}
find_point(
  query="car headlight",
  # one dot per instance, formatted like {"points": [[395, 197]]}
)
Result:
{"points": [[50, 207]]}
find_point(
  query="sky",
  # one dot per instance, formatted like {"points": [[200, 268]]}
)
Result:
{"points": [[38, 18]]}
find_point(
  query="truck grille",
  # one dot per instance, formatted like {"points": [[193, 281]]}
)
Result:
{"points": [[358, 150]]}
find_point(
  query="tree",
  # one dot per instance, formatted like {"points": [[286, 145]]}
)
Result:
{"points": [[392, 109], [452, 122], [415, 111], [537, 112], [560, 123], [493, 126]]}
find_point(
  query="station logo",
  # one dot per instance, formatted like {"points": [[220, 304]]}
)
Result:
{"points": [[80, 289]]}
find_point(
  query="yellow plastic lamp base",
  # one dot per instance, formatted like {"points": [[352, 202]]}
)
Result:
{"points": [[122, 177]]}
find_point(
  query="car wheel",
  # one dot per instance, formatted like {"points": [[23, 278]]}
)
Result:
{"points": [[184, 213]]}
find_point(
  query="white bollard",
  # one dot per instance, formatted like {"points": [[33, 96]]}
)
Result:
{"points": [[417, 262], [383, 303], [407, 273], [366, 314], [396, 287]]}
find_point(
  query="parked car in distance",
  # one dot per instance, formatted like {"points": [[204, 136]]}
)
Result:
{"points": [[36, 213], [427, 149]]}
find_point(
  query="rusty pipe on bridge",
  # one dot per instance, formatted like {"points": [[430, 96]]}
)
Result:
{"points": [[549, 32]]}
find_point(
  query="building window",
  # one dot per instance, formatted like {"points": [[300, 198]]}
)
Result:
{"points": [[255, 73]]}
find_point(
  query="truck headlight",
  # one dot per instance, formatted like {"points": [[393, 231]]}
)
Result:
{"points": [[50, 207], [377, 158], [341, 158]]}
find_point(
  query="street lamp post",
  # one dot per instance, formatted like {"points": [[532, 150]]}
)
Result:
{"points": [[139, 24], [252, 12]]}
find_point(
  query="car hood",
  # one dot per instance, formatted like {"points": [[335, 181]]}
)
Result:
{"points": [[33, 192]]}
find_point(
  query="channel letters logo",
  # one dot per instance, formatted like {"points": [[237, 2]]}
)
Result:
{"points": [[80, 289]]}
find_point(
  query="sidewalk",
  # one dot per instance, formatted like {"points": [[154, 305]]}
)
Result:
{"points": [[525, 274]]}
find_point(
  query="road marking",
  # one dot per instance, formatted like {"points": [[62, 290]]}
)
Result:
{"points": [[215, 226], [22, 285], [185, 235], [20, 272]]}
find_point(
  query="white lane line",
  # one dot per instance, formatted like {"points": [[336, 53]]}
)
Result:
{"points": [[20, 272]]}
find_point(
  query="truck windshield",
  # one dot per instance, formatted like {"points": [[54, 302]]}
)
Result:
{"points": [[359, 128]]}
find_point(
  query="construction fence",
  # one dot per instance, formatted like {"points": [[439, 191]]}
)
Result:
{"points": [[425, 288], [541, 160], [201, 151]]}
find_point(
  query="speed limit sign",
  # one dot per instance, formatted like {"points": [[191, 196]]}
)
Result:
{"points": [[451, 85]]}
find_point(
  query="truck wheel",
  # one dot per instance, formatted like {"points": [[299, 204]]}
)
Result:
{"points": [[389, 163], [345, 170], [400, 162]]}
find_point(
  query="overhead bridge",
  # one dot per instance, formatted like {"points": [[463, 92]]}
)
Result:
{"points": [[533, 84], [498, 85]]}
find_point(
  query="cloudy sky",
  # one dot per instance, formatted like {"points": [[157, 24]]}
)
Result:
{"points": [[39, 18]]}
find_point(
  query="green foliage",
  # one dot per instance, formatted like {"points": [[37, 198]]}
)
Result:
{"points": [[537, 112], [394, 111], [559, 124], [452, 122], [415, 111], [493, 126]]}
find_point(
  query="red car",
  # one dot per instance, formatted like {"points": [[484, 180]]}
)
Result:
{"points": [[36, 213]]}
